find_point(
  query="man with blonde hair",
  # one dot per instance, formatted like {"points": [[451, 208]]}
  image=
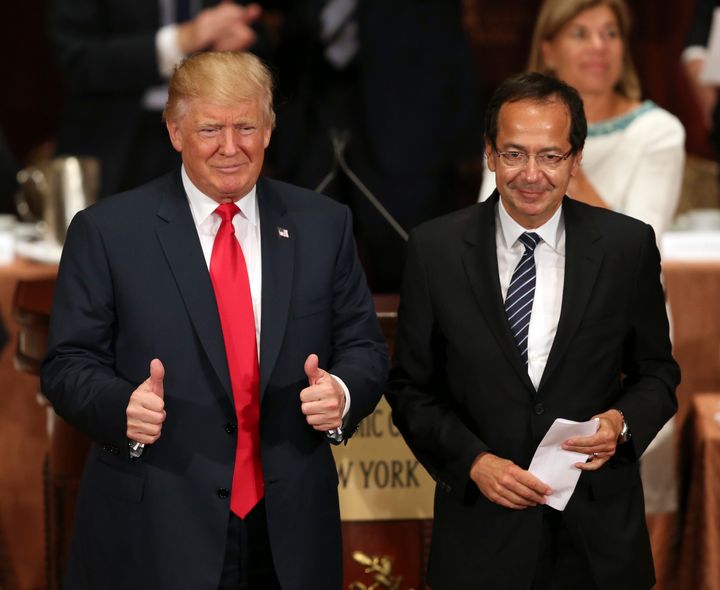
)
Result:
{"points": [[212, 333]]}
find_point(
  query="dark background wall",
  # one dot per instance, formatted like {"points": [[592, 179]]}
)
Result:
{"points": [[30, 86]]}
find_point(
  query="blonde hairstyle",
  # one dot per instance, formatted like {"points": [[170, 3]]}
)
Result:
{"points": [[555, 14], [225, 77]]}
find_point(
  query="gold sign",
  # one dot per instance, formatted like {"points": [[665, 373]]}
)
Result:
{"points": [[380, 479]]}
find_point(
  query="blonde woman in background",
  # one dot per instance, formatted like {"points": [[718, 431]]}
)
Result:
{"points": [[634, 154]]}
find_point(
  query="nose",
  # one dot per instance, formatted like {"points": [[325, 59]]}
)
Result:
{"points": [[227, 142], [531, 170], [598, 41]]}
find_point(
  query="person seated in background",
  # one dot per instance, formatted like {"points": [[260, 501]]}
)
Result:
{"points": [[694, 58], [116, 57], [634, 155]]}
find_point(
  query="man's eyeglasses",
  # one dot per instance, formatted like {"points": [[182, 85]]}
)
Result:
{"points": [[513, 159]]}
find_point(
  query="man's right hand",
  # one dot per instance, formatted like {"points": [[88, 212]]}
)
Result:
{"points": [[146, 408], [504, 483], [225, 27]]}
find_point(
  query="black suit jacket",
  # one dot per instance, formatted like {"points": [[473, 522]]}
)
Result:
{"points": [[458, 387], [133, 285]]}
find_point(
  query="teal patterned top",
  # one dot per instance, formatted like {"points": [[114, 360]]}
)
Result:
{"points": [[619, 123]]}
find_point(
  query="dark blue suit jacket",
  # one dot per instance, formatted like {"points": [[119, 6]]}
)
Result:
{"points": [[133, 285]]}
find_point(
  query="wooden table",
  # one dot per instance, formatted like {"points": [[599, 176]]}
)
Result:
{"points": [[699, 556], [23, 448], [694, 292]]}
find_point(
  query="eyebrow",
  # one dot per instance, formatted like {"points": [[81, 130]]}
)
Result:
{"points": [[515, 147], [220, 125]]}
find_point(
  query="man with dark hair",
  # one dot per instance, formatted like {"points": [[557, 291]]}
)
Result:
{"points": [[517, 311], [538, 88]]}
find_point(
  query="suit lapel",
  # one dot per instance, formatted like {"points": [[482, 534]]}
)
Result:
{"points": [[278, 256], [583, 258], [480, 263], [181, 245]]}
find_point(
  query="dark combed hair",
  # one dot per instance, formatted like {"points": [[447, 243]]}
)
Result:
{"points": [[538, 87]]}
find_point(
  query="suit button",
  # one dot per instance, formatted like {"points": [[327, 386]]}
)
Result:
{"points": [[230, 428], [112, 449], [223, 492], [539, 409]]}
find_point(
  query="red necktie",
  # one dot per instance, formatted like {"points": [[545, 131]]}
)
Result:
{"points": [[229, 276]]}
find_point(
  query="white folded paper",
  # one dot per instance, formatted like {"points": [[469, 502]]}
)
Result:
{"points": [[555, 466]]}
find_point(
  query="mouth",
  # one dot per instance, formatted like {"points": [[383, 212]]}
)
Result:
{"points": [[596, 66], [229, 168], [530, 192]]}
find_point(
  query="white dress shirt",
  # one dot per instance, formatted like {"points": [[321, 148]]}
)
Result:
{"points": [[550, 277], [247, 232]]}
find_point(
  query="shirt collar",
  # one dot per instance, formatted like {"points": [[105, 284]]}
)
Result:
{"points": [[511, 230], [202, 206]]}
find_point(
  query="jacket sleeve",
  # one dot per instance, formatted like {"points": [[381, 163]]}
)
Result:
{"points": [[651, 375], [78, 374], [417, 390], [359, 355]]}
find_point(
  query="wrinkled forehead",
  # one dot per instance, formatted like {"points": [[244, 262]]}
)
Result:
{"points": [[212, 107], [529, 122]]}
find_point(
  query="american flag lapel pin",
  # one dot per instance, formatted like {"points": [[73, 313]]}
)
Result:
{"points": [[283, 233]]}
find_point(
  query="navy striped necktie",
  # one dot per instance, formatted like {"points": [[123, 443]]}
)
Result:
{"points": [[521, 293]]}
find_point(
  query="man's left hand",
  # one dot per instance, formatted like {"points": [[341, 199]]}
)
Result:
{"points": [[323, 401], [601, 446]]}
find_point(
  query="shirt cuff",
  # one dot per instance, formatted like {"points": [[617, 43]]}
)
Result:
{"points": [[693, 52], [346, 391], [336, 434], [168, 49]]}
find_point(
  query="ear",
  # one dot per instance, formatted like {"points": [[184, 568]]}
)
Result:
{"points": [[175, 135], [490, 155], [266, 139], [577, 160]]}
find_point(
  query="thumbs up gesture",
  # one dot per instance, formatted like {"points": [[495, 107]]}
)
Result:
{"points": [[146, 408], [323, 401]]}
